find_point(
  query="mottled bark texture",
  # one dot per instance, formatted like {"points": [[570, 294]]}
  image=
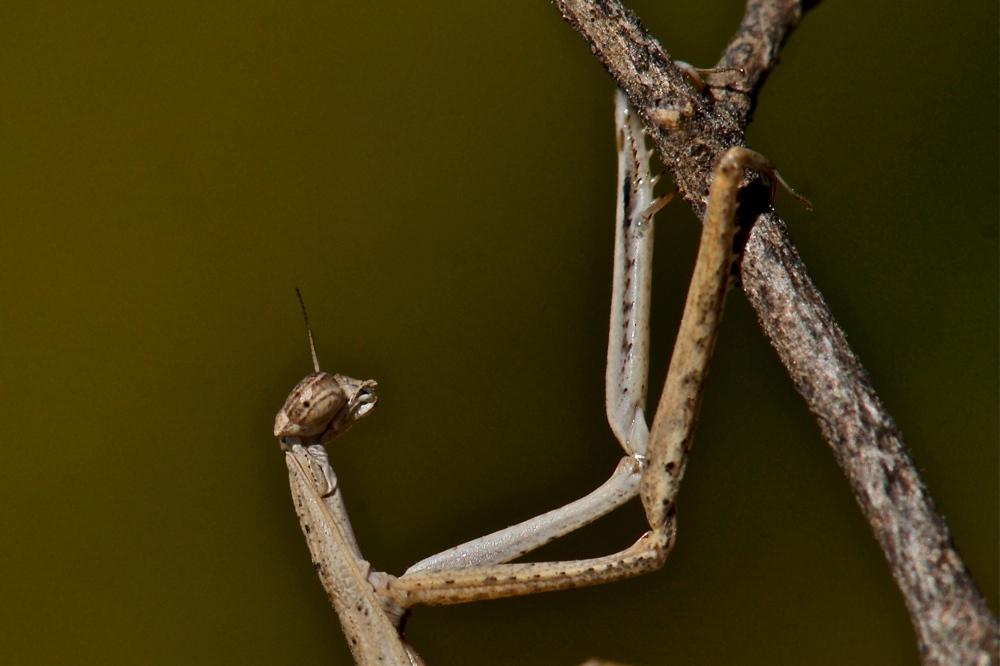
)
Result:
{"points": [[691, 131]]}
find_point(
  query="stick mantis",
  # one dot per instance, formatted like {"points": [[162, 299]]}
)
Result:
{"points": [[371, 604]]}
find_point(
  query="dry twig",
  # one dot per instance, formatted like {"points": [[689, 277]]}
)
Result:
{"points": [[691, 131]]}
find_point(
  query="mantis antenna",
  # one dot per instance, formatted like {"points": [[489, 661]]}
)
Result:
{"points": [[312, 343]]}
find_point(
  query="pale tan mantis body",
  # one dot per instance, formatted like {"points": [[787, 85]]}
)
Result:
{"points": [[371, 604]]}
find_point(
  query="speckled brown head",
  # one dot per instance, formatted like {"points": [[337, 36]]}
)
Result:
{"points": [[323, 406]]}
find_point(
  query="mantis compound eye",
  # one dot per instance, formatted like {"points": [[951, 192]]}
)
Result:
{"points": [[310, 407]]}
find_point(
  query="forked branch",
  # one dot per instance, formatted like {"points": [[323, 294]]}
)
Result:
{"points": [[691, 132]]}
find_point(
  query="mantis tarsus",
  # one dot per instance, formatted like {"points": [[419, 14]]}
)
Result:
{"points": [[371, 604]]}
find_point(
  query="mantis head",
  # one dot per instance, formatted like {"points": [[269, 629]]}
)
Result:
{"points": [[323, 406]]}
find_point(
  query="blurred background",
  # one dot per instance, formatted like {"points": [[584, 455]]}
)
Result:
{"points": [[439, 182]]}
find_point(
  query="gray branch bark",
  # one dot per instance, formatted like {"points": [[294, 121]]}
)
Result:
{"points": [[691, 131]]}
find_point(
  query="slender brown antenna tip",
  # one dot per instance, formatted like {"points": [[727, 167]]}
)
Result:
{"points": [[312, 343]]}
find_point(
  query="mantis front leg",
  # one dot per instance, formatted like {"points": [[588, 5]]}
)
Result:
{"points": [[627, 364]]}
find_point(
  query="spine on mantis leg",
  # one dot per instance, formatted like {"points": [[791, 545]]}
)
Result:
{"points": [[677, 414]]}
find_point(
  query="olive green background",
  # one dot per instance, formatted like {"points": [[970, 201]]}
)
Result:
{"points": [[439, 181]]}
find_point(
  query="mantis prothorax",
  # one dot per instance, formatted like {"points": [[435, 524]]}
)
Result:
{"points": [[371, 604]]}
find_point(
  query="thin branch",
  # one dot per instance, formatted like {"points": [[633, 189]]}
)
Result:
{"points": [[691, 131], [952, 621]]}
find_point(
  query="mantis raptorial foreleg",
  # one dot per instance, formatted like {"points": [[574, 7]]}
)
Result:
{"points": [[625, 380], [370, 603], [627, 366]]}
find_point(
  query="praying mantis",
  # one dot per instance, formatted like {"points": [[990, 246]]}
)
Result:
{"points": [[371, 604]]}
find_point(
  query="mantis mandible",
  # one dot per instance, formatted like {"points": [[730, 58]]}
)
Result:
{"points": [[370, 603]]}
